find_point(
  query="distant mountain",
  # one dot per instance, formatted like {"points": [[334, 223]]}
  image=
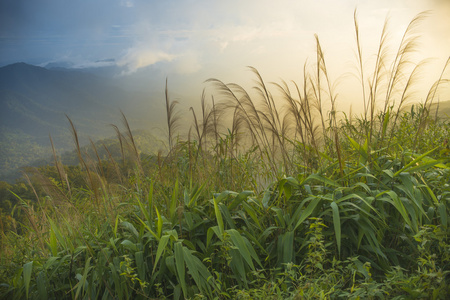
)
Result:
{"points": [[34, 101], [442, 108]]}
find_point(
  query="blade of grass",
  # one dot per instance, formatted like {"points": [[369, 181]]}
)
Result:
{"points": [[27, 269], [337, 224], [181, 269]]}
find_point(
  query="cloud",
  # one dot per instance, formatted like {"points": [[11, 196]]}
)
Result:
{"points": [[141, 57]]}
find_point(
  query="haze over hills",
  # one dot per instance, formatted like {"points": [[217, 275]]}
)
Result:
{"points": [[34, 102], [35, 99]]}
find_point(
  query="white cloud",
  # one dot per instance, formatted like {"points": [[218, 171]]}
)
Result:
{"points": [[141, 57]]}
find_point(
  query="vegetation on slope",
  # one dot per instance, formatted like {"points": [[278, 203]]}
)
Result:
{"points": [[264, 198]]}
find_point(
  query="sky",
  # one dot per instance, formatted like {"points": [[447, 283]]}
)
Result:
{"points": [[203, 39]]}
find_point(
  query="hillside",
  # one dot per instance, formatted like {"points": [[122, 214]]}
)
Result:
{"points": [[34, 102]]}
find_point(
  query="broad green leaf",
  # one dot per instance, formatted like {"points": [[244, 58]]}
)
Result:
{"points": [[286, 185], [322, 179], [59, 236], [144, 211], [148, 228], [266, 199], [42, 286], [27, 269], [415, 161], [198, 271], [385, 122], [53, 243], [239, 198], [82, 279], [116, 224], [356, 196], [363, 150], [443, 214], [129, 245], [116, 280], [337, 224], [241, 246], [161, 247], [218, 216], [160, 222], [252, 213], [174, 201], [432, 195], [130, 227], [195, 195], [140, 264], [237, 265], [280, 217], [427, 165], [216, 230], [150, 202], [286, 249], [308, 211], [398, 205], [226, 214], [179, 263], [61, 262]]}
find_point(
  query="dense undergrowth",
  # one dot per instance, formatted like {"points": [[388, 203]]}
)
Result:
{"points": [[267, 197]]}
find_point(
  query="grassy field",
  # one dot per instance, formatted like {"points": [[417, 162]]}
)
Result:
{"points": [[265, 198]]}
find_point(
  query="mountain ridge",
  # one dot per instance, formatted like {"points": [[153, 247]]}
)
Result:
{"points": [[36, 102]]}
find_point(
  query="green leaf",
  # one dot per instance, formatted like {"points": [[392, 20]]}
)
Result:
{"points": [[419, 158], [252, 213], [41, 285], [148, 228], [129, 245], [337, 224], [398, 205], [308, 210], [322, 179], [226, 214], [116, 280], [241, 246], [218, 216], [239, 198], [139, 256], [266, 199], [286, 185], [27, 268], [195, 195], [130, 227], [198, 271], [174, 201], [82, 279], [285, 247], [363, 150], [59, 236], [160, 222], [385, 122], [280, 217], [53, 243], [180, 267], [443, 214], [161, 247]]}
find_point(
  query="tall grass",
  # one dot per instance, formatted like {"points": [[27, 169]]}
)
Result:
{"points": [[267, 196]]}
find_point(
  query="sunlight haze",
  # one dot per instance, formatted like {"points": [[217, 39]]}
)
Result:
{"points": [[191, 41]]}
